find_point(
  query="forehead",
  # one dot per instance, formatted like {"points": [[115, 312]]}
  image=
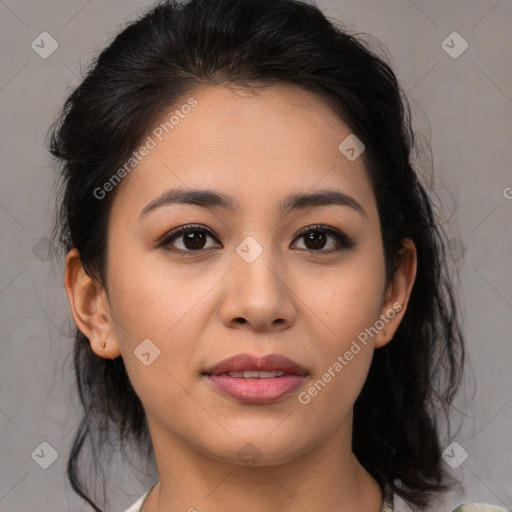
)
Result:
{"points": [[254, 145]]}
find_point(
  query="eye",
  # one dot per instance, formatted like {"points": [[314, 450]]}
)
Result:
{"points": [[316, 236], [192, 237]]}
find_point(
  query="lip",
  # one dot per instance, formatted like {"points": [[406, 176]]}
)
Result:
{"points": [[270, 362], [256, 390]]}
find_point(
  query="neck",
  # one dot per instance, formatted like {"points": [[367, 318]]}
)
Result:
{"points": [[327, 478]]}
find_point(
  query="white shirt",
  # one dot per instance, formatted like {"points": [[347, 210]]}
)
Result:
{"points": [[138, 504], [467, 507]]}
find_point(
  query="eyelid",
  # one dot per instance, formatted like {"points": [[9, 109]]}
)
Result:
{"points": [[175, 233], [344, 241]]}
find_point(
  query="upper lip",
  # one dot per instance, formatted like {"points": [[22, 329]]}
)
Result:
{"points": [[270, 362]]}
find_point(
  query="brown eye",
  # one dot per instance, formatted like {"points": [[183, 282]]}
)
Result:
{"points": [[316, 237], [192, 239], [315, 240]]}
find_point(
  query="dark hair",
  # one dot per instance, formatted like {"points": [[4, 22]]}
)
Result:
{"points": [[177, 47]]}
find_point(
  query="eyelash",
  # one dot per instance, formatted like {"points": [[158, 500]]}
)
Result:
{"points": [[343, 240]]}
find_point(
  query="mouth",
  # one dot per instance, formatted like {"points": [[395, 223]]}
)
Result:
{"points": [[250, 367], [256, 380], [254, 374]]}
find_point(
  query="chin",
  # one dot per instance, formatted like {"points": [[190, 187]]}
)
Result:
{"points": [[260, 449]]}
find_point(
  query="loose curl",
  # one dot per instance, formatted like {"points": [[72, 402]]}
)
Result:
{"points": [[176, 47]]}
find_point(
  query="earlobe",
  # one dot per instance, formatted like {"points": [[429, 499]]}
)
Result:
{"points": [[90, 308], [398, 293]]}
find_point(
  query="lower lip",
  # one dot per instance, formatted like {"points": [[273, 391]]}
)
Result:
{"points": [[256, 391]]}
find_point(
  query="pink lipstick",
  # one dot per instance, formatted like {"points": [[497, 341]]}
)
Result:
{"points": [[256, 380]]}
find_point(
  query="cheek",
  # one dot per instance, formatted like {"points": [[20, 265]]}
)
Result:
{"points": [[348, 303], [349, 299], [153, 300], [151, 308], [326, 403], [156, 338], [343, 353]]}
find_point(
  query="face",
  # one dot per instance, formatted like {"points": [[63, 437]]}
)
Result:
{"points": [[257, 276]]}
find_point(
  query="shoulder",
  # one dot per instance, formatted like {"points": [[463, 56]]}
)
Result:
{"points": [[401, 506], [138, 504], [480, 507]]}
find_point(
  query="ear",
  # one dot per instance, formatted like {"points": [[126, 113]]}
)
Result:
{"points": [[90, 308], [397, 294]]}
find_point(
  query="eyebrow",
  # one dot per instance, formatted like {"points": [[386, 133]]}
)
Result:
{"points": [[211, 199]]}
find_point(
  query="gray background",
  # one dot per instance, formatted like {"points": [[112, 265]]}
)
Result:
{"points": [[462, 105]]}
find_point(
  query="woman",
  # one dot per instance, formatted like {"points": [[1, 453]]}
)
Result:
{"points": [[259, 287]]}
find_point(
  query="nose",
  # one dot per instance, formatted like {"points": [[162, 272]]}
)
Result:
{"points": [[258, 293]]}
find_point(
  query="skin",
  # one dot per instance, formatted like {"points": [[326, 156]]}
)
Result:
{"points": [[258, 147]]}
